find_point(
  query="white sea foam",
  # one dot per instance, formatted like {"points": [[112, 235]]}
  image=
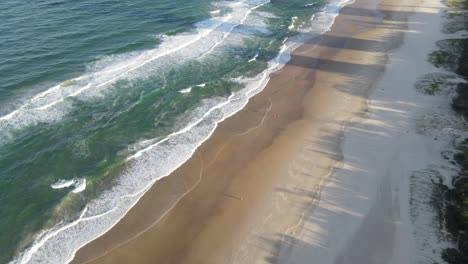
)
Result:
{"points": [[309, 5], [292, 26], [51, 105], [60, 184], [78, 184], [159, 157], [254, 58], [188, 90], [230, 28], [185, 91]]}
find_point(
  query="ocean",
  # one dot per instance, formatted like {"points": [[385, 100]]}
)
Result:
{"points": [[101, 98]]}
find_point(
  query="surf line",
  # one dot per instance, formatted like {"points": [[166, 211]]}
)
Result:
{"points": [[161, 217], [166, 53], [241, 22], [28, 254], [243, 133], [201, 35]]}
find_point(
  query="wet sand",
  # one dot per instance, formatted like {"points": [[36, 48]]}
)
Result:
{"points": [[244, 194]]}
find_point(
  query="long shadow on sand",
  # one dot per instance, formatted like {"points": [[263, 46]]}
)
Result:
{"points": [[280, 246]]}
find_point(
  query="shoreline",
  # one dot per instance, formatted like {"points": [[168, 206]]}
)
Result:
{"points": [[269, 132], [257, 83], [52, 239]]}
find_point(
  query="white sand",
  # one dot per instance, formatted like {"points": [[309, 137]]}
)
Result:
{"points": [[364, 212]]}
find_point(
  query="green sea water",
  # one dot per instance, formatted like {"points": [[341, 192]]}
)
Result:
{"points": [[89, 88]]}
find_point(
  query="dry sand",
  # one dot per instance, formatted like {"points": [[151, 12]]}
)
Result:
{"points": [[249, 191], [363, 215]]}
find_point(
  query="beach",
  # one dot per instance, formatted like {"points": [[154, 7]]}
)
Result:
{"points": [[375, 208], [310, 170]]}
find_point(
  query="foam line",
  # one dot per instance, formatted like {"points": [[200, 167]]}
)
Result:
{"points": [[27, 256], [202, 33], [242, 21]]}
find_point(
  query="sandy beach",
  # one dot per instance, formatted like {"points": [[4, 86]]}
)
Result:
{"points": [[311, 170], [364, 214]]}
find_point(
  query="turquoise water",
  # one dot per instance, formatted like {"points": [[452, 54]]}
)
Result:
{"points": [[111, 96]]}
